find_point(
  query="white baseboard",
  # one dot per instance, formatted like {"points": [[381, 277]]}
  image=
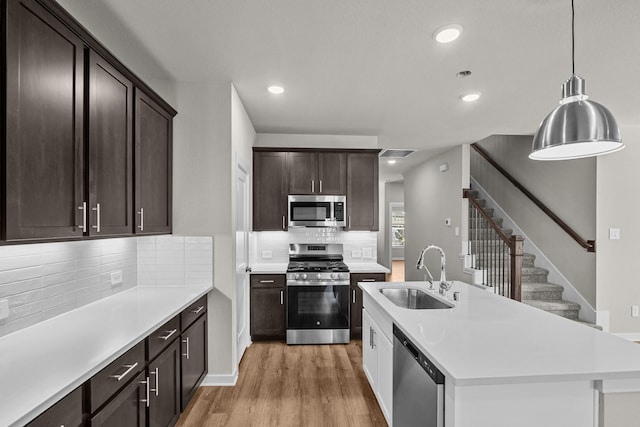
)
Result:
{"points": [[631, 336], [220, 379]]}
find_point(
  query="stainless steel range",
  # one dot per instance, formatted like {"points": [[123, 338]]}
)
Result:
{"points": [[317, 295]]}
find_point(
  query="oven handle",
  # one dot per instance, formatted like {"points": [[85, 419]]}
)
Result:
{"points": [[307, 283]]}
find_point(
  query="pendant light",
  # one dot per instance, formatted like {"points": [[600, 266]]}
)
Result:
{"points": [[578, 127]]}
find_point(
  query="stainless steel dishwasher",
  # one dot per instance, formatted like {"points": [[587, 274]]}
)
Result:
{"points": [[418, 386]]}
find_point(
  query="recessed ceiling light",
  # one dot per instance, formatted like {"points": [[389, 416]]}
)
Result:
{"points": [[448, 33], [470, 97], [392, 162], [275, 89]]}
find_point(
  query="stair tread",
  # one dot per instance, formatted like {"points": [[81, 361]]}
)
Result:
{"points": [[540, 286], [552, 305]]}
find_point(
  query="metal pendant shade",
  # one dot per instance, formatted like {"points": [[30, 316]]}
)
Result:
{"points": [[578, 127]]}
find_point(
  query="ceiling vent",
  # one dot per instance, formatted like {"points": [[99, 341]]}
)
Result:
{"points": [[397, 154]]}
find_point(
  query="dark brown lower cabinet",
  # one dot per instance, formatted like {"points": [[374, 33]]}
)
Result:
{"points": [[194, 358], [67, 412], [356, 299], [268, 310], [164, 387], [127, 408]]}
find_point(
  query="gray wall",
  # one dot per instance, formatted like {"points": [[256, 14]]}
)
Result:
{"points": [[430, 196], [568, 188]]}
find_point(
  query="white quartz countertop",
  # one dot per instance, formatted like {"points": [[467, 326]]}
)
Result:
{"points": [[489, 339], [41, 364], [269, 268], [366, 267]]}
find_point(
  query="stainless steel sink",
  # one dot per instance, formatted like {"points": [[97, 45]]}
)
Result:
{"points": [[414, 299]]}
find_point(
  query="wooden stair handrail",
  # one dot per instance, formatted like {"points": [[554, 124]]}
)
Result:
{"points": [[589, 245], [515, 244]]}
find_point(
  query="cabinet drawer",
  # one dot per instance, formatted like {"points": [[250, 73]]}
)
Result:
{"points": [[67, 412], [191, 313], [107, 382], [367, 277], [268, 280], [162, 337]]}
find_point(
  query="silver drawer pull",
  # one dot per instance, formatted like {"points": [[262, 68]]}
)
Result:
{"points": [[156, 373], [354, 296], [281, 297], [169, 333], [186, 341], [368, 280], [124, 374], [198, 310], [267, 281]]}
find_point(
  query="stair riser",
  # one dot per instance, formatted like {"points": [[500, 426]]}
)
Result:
{"points": [[542, 295], [535, 277], [569, 314]]}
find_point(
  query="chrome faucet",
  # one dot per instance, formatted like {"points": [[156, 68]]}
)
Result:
{"points": [[444, 285]]}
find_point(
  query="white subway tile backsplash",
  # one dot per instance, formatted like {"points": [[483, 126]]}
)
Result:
{"points": [[45, 280]]}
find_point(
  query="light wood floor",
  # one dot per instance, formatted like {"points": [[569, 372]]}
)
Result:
{"points": [[397, 271], [300, 385]]}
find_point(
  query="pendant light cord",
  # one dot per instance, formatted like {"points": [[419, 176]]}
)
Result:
{"points": [[573, 40]]}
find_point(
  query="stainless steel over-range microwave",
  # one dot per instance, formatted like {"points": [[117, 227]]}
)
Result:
{"points": [[317, 211]]}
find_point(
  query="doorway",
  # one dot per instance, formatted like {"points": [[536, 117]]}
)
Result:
{"points": [[395, 230]]}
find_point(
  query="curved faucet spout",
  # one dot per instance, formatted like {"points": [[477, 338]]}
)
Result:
{"points": [[420, 262]]}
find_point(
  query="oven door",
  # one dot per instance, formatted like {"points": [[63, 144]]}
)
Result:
{"points": [[318, 306]]}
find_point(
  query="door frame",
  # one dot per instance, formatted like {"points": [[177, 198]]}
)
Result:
{"points": [[243, 337]]}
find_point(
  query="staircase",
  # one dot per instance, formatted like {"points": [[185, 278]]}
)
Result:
{"points": [[536, 290]]}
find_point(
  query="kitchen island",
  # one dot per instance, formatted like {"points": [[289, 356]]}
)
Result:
{"points": [[506, 363]]}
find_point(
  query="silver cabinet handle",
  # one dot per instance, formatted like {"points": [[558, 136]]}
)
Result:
{"points": [[83, 208], [124, 374], [281, 297], [283, 225], [156, 373], [368, 280], [321, 186], [267, 281], [97, 209], [373, 338], [147, 391], [169, 333], [198, 310], [370, 337], [186, 341], [313, 186], [349, 221], [353, 292], [141, 213]]}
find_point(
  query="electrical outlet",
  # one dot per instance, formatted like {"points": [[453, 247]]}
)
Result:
{"points": [[614, 234], [367, 253], [4, 309], [116, 277], [635, 311], [267, 254], [456, 231], [356, 253]]}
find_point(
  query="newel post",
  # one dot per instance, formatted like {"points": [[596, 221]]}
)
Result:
{"points": [[516, 244]]}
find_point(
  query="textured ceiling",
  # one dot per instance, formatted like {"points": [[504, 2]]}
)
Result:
{"points": [[371, 67]]}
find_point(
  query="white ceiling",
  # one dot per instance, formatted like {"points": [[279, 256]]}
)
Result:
{"points": [[371, 67]]}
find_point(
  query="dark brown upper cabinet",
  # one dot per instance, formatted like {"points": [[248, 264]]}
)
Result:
{"points": [[110, 209], [153, 165], [362, 191], [317, 173], [269, 191], [44, 170]]}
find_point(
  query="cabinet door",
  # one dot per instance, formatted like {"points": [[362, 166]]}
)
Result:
{"points": [[332, 173], [269, 191], [303, 175], [110, 210], [385, 375], [153, 166], [164, 387], [67, 412], [362, 191], [194, 358], [44, 125], [369, 352], [267, 312], [128, 408]]}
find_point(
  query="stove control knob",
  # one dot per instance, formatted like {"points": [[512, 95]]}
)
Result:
{"points": [[334, 276], [304, 276], [319, 276]]}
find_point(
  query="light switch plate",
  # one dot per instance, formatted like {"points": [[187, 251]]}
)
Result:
{"points": [[635, 311], [116, 277], [614, 234], [4, 309]]}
